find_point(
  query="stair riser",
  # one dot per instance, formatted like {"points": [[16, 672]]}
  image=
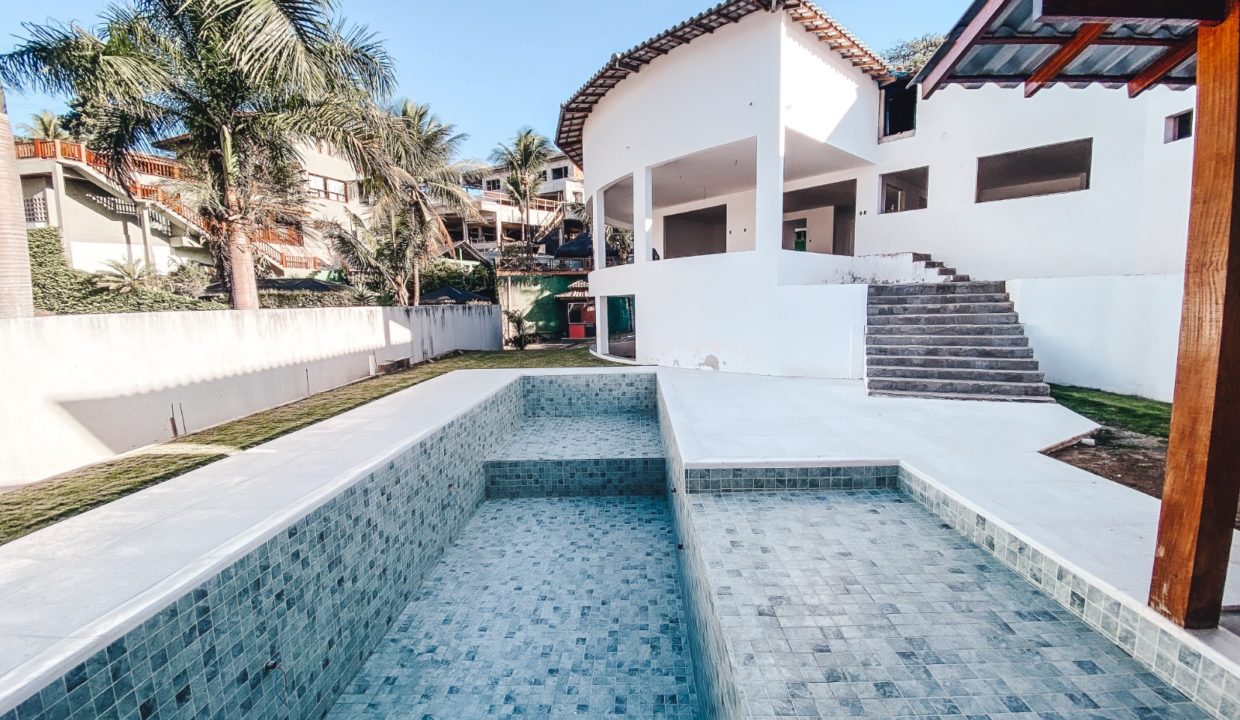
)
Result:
{"points": [[956, 288], [960, 397], [958, 386], [947, 363], [942, 309], [945, 329], [877, 352], [951, 341], [932, 300], [1009, 318], [921, 373]]}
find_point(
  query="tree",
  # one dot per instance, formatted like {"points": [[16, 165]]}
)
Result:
{"points": [[124, 277], [405, 228], [525, 160], [16, 291], [45, 125], [913, 54], [238, 82]]}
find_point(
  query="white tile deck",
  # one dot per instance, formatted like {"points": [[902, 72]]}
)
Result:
{"points": [[66, 588]]}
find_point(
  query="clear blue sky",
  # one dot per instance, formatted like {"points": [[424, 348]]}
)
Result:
{"points": [[492, 66]]}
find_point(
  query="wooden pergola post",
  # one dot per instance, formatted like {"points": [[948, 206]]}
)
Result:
{"points": [[1203, 461]]}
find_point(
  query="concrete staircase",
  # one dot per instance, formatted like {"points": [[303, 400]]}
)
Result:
{"points": [[955, 339]]}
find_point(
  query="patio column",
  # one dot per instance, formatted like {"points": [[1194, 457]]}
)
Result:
{"points": [[144, 222], [58, 198], [769, 202], [1203, 458], [643, 214], [599, 239]]}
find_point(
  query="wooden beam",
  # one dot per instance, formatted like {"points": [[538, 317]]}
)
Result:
{"points": [[1203, 458], [961, 45], [1063, 57], [1157, 70], [1189, 12]]}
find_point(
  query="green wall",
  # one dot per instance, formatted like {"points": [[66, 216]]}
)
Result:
{"points": [[534, 296]]}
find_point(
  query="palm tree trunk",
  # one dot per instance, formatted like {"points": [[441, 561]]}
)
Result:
{"points": [[417, 283], [16, 291], [243, 285], [400, 290]]}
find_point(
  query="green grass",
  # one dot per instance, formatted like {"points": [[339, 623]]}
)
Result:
{"points": [[26, 509], [1149, 417]]}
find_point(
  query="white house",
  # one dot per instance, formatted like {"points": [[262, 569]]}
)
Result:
{"points": [[781, 180]]}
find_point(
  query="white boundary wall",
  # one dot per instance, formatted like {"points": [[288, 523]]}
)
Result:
{"points": [[1116, 333], [79, 389]]}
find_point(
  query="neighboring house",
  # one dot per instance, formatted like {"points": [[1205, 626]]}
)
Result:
{"points": [[782, 171], [64, 185], [551, 216]]}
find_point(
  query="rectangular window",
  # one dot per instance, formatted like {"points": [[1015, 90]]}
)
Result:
{"points": [[905, 190], [492, 186], [700, 232], [559, 173], [327, 188], [1179, 127], [1046, 170], [899, 108]]}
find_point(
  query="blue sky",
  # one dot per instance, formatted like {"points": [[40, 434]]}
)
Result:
{"points": [[492, 66]]}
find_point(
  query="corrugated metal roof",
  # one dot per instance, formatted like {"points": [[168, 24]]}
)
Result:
{"points": [[573, 114], [1015, 44]]}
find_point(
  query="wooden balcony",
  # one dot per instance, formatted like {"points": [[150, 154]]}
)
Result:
{"points": [[139, 163]]}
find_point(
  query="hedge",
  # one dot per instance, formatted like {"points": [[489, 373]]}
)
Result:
{"points": [[62, 290]]}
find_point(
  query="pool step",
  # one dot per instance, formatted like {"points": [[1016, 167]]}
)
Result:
{"points": [[960, 340]]}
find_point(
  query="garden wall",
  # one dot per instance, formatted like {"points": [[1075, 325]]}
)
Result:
{"points": [[81, 389]]}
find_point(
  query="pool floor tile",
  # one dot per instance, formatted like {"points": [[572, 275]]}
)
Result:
{"points": [[545, 608], [862, 604]]}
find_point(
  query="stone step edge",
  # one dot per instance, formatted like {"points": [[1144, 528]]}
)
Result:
{"points": [[961, 396]]}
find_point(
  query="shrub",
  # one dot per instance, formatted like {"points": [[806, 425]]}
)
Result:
{"points": [[189, 279], [302, 299], [520, 328], [59, 289]]}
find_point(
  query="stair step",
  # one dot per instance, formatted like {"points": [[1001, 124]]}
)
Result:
{"points": [[962, 288], [962, 374], [1008, 318], [945, 328], [1008, 341], [970, 387], [943, 299], [931, 264], [964, 363], [943, 308], [961, 396], [960, 352], [947, 271], [958, 279]]}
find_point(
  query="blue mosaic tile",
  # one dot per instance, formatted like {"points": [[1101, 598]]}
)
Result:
{"points": [[862, 604], [544, 609], [597, 394]]}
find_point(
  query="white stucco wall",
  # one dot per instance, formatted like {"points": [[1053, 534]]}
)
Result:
{"points": [[1117, 333], [81, 389], [684, 320]]}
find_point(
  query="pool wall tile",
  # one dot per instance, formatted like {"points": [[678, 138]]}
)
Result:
{"points": [[765, 479], [718, 693], [316, 598], [508, 479], [1211, 681], [574, 395]]}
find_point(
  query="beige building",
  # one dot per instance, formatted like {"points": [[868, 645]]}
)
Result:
{"points": [[65, 185]]}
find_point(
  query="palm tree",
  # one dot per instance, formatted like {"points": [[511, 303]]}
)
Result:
{"points": [[240, 82], [525, 160], [16, 296], [124, 277], [45, 125], [405, 227]]}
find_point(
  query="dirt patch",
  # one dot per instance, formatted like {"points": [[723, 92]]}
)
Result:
{"points": [[1129, 458]]}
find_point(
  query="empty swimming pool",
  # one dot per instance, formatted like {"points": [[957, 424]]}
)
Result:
{"points": [[545, 608]]}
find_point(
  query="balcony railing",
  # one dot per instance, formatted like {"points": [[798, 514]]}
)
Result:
{"points": [[535, 204], [534, 265], [65, 150], [36, 210]]}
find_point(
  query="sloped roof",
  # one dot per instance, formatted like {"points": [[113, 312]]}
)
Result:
{"points": [[573, 114]]}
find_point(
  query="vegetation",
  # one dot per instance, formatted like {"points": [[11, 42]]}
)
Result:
{"points": [[29, 508], [520, 328], [405, 228], [1148, 417], [45, 125], [478, 278], [125, 276], [189, 279], [525, 160], [240, 83], [912, 55], [58, 289]]}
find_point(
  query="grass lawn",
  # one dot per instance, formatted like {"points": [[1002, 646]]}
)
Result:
{"points": [[1148, 417], [31, 507]]}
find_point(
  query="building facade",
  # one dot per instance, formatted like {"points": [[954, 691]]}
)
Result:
{"points": [[772, 168]]}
